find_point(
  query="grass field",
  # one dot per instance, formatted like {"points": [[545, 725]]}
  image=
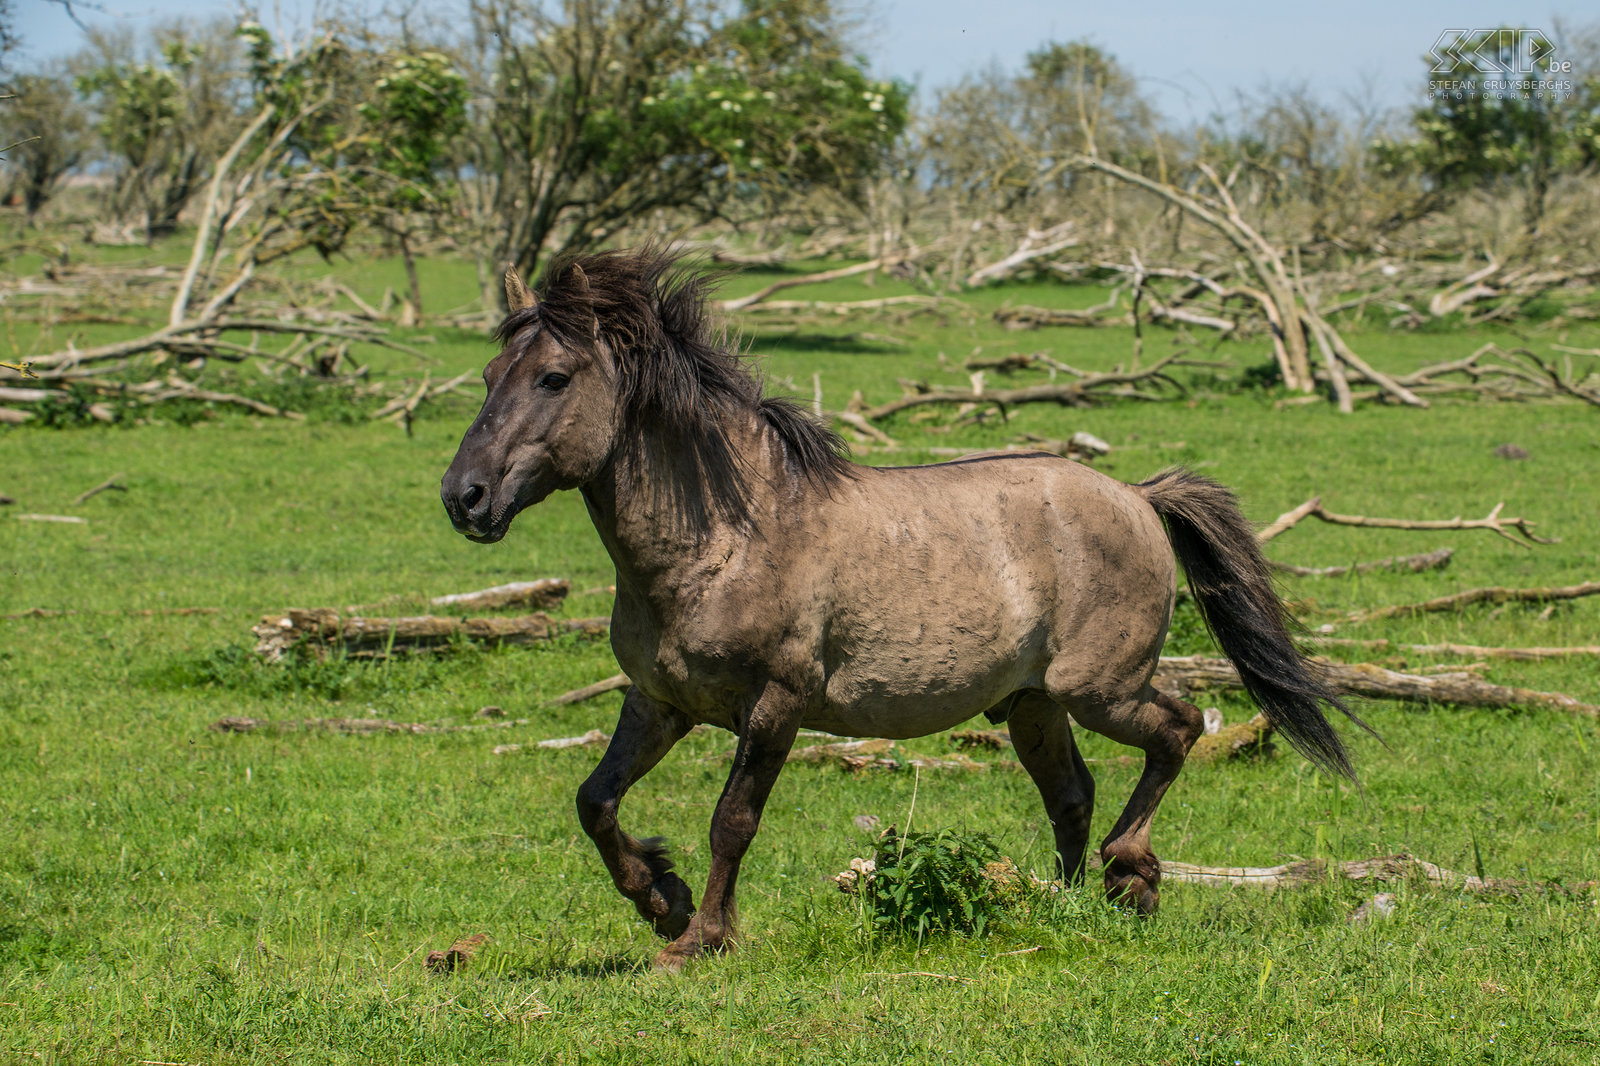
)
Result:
{"points": [[173, 894]]}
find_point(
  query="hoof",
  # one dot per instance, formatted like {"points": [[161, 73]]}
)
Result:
{"points": [[1128, 886], [670, 960], [670, 907], [693, 943]]}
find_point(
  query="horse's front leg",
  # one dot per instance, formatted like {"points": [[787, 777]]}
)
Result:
{"points": [[646, 731], [764, 742]]}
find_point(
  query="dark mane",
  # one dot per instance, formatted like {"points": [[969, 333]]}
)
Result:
{"points": [[681, 383]]}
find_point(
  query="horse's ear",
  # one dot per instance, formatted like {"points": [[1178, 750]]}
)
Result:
{"points": [[518, 296], [583, 285]]}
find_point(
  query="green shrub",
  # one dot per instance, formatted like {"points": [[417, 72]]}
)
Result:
{"points": [[936, 882]]}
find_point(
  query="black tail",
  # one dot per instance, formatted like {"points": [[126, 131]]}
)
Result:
{"points": [[1232, 583]]}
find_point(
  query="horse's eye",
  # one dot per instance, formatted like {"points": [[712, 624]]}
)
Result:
{"points": [[553, 382]]}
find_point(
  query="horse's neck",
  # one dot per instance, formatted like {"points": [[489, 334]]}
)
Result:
{"points": [[649, 538]]}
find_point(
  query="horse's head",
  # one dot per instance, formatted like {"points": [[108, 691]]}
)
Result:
{"points": [[547, 423]]}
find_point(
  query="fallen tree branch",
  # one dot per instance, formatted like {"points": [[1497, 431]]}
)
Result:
{"points": [[1401, 867], [110, 484], [742, 302], [1470, 651], [190, 339], [1320, 331], [1073, 394], [589, 692], [544, 593], [358, 727], [404, 404], [1288, 520], [1496, 595], [14, 395], [848, 307], [1384, 868], [69, 519], [1492, 521], [1028, 316], [1413, 564], [149, 612], [1024, 255], [992, 739], [1365, 679], [324, 629], [1384, 382], [841, 751], [593, 738], [1520, 374], [856, 421]]}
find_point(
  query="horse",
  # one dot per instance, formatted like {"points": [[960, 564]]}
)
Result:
{"points": [[765, 583]]}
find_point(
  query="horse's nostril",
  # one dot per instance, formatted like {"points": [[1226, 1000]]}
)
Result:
{"points": [[472, 497]]}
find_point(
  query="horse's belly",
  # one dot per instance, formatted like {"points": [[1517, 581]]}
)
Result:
{"points": [[913, 695]]}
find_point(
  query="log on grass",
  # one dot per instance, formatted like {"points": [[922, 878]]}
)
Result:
{"points": [[1471, 651], [323, 629], [841, 751], [1365, 679], [544, 593], [1495, 595], [1411, 564], [1234, 741], [65, 519], [589, 692], [957, 762], [1401, 867], [593, 738], [14, 395], [359, 727], [991, 739]]}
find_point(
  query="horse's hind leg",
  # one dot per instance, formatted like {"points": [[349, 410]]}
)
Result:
{"points": [[1164, 728], [646, 731], [1041, 731]]}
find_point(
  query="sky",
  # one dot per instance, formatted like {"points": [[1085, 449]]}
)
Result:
{"points": [[1191, 59]]}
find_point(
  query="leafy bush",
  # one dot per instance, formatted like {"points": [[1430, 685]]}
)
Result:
{"points": [[936, 882]]}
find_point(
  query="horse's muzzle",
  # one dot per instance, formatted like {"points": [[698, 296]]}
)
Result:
{"points": [[468, 502]]}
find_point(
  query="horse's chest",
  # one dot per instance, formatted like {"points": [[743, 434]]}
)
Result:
{"points": [[685, 667]]}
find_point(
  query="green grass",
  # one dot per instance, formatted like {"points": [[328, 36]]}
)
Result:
{"points": [[174, 894]]}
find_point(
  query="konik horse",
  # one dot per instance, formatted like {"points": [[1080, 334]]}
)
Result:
{"points": [[766, 584]]}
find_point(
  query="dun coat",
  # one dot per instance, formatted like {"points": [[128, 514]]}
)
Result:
{"points": [[765, 584]]}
